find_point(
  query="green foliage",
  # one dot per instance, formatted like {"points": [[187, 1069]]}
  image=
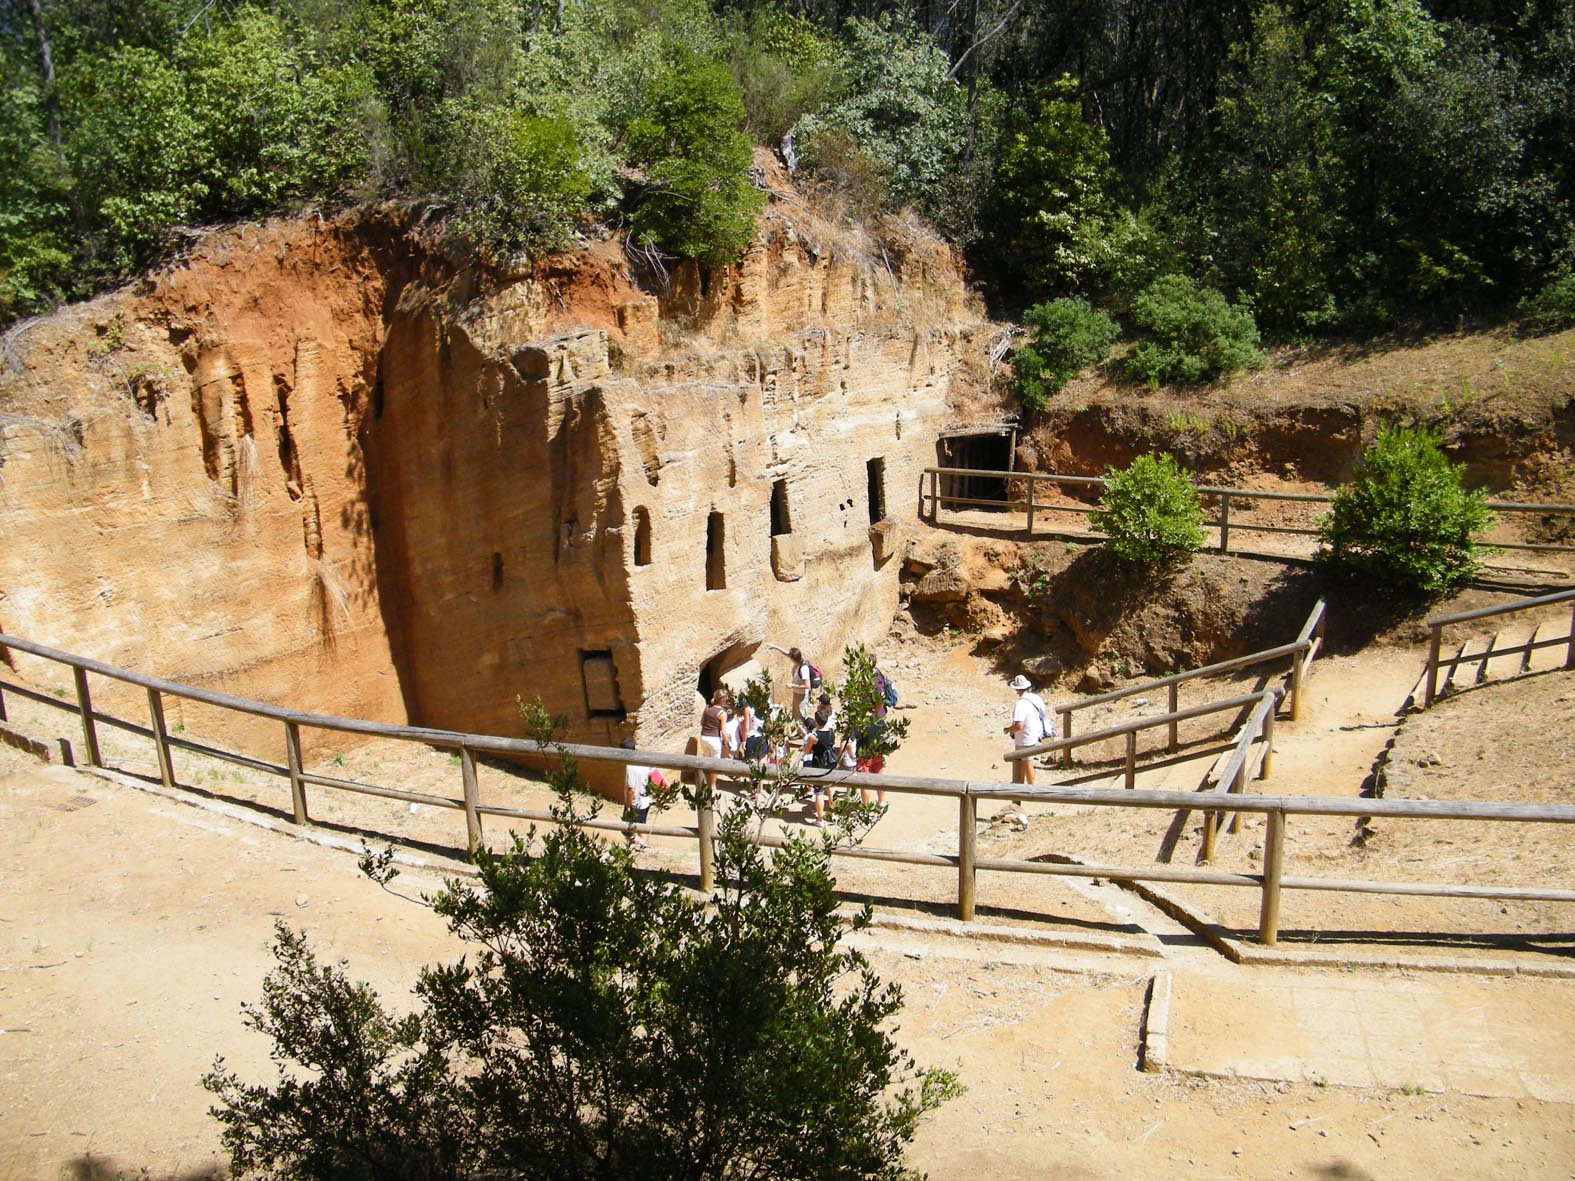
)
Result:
{"points": [[1067, 337], [1406, 519], [786, 66], [137, 149], [1061, 225], [1196, 334], [272, 128], [864, 710], [1552, 307], [518, 178], [1150, 511], [696, 200], [602, 1022], [901, 110]]}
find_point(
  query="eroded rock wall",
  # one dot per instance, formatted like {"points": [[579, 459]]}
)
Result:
{"points": [[323, 464]]}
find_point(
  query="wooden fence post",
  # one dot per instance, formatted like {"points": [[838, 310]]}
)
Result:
{"points": [[1298, 671], [1175, 727], [1131, 759], [967, 875], [85, 708], [1066, 732], [292, 753], [1268, 746], [1031, 483], [1431, 688], [2, 702], [935, 497], [1224, 522], [1210, 825], [161, 738], [1273, 863], [706, 814], [1569, 656], [467, 770]]}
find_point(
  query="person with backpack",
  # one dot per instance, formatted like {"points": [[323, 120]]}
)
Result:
{"points": [[803, 681], [1029, 726]]}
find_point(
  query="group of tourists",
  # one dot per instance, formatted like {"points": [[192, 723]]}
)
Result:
{"points": [[731, 727]]}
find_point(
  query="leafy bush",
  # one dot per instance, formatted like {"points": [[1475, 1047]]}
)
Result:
{"points": [[517, 178], [602, 1023], [696, 200], [901, 108], [1406, 518], [1061, 225], [1553, 307], [1196, 334], [137, 150], [1150, 511], [1068, 336], [786, 66]]}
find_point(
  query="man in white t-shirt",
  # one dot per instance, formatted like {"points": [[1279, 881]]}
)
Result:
{"points": [[1029, 726]]}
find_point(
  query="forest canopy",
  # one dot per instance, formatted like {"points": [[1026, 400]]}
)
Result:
{"points": [[1330, 166]]}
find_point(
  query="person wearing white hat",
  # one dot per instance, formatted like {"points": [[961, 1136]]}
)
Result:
{"points": [[1029, 726]]}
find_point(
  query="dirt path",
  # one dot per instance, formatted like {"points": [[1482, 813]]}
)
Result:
{"points": [[137, 924]]}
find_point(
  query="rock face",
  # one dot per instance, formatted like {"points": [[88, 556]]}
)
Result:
{"points": [[324, 465]]}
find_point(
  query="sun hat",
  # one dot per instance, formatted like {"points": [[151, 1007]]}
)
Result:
{"points": [[1020, 682]]}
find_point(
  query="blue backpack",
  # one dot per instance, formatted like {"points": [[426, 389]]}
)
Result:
{"points": [[887, 690]]}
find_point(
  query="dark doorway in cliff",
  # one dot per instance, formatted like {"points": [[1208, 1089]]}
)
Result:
{"points": [[728, 669], [781, 518], [715, 565], [875, 478], [987, 450], [642, 537]]}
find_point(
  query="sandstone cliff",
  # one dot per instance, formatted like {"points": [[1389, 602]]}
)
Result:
{"points": [[326, 464]]}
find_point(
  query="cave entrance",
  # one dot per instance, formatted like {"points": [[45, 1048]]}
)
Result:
{"points": [[729, 669], [990, 449]]}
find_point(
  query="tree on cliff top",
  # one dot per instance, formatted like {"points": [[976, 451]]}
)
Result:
{"points": [[604, 1023]]}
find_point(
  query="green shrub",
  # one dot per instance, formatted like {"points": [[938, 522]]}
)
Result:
{"points": [[1068, 336], [602, 1022], [1150, 511], [517, 178], [696, 200], [1553, 307], [786, 66], [1406, 518], [1061, 224], [1196, 334]]}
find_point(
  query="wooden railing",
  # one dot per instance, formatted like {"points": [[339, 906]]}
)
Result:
{"points": [[968, 794], [1302, 651], [931, 499], [1434, 663], [1131, 729]]}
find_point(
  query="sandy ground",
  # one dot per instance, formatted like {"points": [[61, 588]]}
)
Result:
{"points": [[138, 923]]}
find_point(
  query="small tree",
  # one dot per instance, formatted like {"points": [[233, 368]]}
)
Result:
{"points": [[604, 1023], [1406, 518], [1068, 337], [1150, 511], [1196, 334]]}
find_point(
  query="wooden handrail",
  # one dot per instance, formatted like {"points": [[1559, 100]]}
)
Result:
{"points": [[1436, 643], [1139, 724], [967, 792], [1222, 494]]}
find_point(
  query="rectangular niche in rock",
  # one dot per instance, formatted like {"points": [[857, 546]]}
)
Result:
{"points": [[875, 480], [599, 676], [715, 562]]}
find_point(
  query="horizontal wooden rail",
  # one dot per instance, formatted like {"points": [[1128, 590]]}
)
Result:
{"points": [[1223, 495], [968, 793], [1437, 626]]}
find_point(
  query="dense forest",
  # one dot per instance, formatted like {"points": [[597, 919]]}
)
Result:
{"points": [[1318, 166]]}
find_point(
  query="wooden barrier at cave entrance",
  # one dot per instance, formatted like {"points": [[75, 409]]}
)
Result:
{"points": [[967, 793], [931, 498]]}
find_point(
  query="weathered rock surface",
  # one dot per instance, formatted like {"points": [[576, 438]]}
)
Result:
{"points": [[322, 464]]}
